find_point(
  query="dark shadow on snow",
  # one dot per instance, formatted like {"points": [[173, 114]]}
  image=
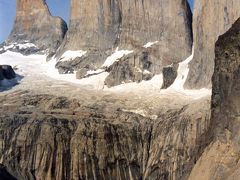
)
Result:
{"points": [[8, 84]]}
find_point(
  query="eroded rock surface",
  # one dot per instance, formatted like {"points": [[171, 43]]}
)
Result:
{"points": [[220, 159], [49, 137], [34, 24], [210, 20]]}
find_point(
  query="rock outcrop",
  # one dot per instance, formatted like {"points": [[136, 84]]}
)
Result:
{"points": [[220, 159], [48, 137], [133, 67], [7, 77], [34, 24], [6, 72], [99, 27], [210, 19]]}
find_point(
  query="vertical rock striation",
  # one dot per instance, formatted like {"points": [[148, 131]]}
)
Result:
{"points": [[221, 159], [48, 137], [210, 19], [34, 24], [99, 27]]}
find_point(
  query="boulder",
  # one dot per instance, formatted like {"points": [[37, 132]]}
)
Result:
{"points": [[169, 75], [81, 73], [6, 72]]}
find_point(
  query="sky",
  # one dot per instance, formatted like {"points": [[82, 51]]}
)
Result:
{"points": [[8, 11]]}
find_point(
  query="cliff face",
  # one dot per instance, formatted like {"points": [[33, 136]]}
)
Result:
{"points": [[168, 22], [94, 25], [35, 24], [210, 19], [49, 137], [221, 159], [98, 27]]}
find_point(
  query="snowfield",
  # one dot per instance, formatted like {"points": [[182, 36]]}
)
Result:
{"points": [[37, 72]]}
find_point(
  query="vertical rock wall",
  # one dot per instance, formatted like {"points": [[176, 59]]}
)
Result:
{"points": [[98, 27], [35, 24], [220, 159], [211, 18]]}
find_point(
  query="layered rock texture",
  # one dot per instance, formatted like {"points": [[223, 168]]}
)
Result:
{"points": [[221, 159], [98, 27], [100, 137], [34, 24], [210, 19]]}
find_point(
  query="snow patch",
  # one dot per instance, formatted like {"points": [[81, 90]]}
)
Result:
{"points": [[71, 55], [141, 112], [98, 71], [149, 44], [115, 57], [21, 46], [146, 72], [152, 85], [182, 73], [26, 46], [93, 82]]}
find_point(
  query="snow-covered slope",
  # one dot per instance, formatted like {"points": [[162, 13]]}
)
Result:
{"points": [[35, 70]]}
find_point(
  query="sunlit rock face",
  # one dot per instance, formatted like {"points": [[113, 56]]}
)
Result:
{"points": [[99, 27], [210, 19], [34, 24]]}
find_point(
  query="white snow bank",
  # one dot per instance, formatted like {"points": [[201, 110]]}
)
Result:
{"points": [[149, 44], [36, 70], [182, 74], [115, 57], [20, 46], [93, 82], [26, 45], [70, 55], [152, 85], [98, 71]]}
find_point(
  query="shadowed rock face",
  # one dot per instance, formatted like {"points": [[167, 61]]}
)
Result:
{"points": [[169, 75], [98, 27], [48, 137], [221, 159], [211, 18], [35, 24], [4, 174], [6, 72]]}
